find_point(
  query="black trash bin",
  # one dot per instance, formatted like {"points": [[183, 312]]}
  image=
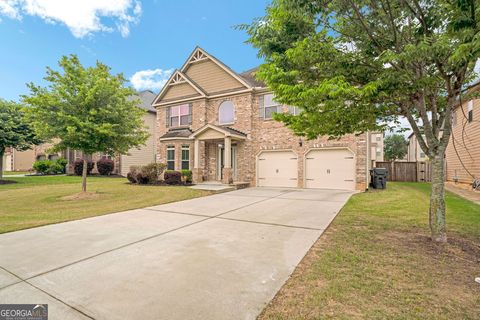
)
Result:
{"points": [[378, 178]]}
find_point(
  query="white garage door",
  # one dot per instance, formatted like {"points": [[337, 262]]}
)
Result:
{"points": [[330, 169], [278, 169]]}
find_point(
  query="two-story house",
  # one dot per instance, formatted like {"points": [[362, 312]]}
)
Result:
{"points": [[414, 151], [463, 151], [218, 123]]}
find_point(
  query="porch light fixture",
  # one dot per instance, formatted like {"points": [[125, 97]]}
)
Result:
{"points": [[300, 142]]}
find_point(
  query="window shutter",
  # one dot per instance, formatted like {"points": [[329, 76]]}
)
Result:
{"points": [[261, 109], [167, 117], [190, 113]]}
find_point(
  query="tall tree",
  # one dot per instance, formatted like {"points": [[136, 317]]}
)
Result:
{"points": [[15, 131], [395, 147], [86, 109], [356, 65]]}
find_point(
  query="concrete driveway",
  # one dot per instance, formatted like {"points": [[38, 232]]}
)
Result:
{"points": [[219, 257]]}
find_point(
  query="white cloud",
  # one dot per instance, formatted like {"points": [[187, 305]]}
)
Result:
{"points": [[150, 79], [82, 17]]}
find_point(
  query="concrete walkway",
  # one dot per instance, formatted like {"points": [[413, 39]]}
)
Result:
{"points": [[218, 257]]}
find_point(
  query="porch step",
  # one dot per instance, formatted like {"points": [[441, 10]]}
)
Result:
{"points": [[214, 187]]}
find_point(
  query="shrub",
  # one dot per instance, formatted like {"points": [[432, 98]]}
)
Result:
{"points": [[153, 171], [187, 175], [105, 166], [148, 174], [63, 163], [172, 177], [132, 174], [42, 166], [78, 167], [55, 168]]}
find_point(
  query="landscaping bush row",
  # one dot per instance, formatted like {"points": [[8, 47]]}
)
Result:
{"points": [[50, 166], [105, 166], [152, 174]]}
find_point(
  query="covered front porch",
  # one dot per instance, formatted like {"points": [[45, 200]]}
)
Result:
{"points": [[218, 147]]}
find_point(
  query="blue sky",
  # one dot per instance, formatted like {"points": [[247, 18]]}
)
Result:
{"points": [[147, 38]]}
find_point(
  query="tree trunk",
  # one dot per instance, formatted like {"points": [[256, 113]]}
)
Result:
{"points": [[2, 152], [84, 175], [437, 200]]}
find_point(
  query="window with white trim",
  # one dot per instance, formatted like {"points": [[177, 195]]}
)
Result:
{"points": [[185, 157], [294, 110], [179, 115], [226, 113], [268, 106], [170, 157]]}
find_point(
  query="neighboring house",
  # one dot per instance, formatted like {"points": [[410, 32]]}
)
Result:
{"points": [[19, 160], [218, 123], [376, 147], [414, 151], [143, 155], [463, 151]]}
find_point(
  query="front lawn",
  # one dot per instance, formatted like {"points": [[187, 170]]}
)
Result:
{"points": [[36, 201], [377, 262]]}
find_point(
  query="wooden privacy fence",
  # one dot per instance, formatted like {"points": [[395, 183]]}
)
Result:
{"points": [[403, 171]]}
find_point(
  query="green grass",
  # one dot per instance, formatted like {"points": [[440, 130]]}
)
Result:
{"points": [[36, 201], [376, 261]]}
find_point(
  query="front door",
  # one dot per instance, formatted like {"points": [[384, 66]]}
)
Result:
{"points": [[221, 162]]}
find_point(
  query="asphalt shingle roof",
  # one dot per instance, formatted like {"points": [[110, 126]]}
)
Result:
{"points": [[146, 99], [177, 133], [250, 77]]}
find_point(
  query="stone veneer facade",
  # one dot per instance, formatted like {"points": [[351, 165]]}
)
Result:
{"points": [[260, 135]]}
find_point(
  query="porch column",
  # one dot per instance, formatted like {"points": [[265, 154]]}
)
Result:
{"points": [[227, 169], [228, 152], [196, 156], [196, 172]]}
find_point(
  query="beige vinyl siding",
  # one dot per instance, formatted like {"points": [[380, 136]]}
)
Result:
{"points": [[146, 153], [179, 91], [467, 143], [211, 77]]}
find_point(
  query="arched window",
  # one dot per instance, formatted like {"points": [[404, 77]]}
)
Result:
{"points": [[226, 113]]}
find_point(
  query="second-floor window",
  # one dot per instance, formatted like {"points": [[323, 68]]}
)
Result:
{"points": [[179, 115], [170, 157], [226, 113], [268, 106]]}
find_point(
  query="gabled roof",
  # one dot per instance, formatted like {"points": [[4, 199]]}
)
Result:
{"points": [[178, 78], [227, 131], [200, 54]]}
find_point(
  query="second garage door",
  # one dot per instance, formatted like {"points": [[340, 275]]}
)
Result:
{"points": [[330, 169], [278, 169]]}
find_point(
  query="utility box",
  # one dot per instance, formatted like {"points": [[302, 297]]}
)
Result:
{"points": [[378, 178]]}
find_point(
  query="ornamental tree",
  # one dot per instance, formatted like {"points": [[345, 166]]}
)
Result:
{"points": [[395, 147], [356, 65], [86, 109], [15, 131]]}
